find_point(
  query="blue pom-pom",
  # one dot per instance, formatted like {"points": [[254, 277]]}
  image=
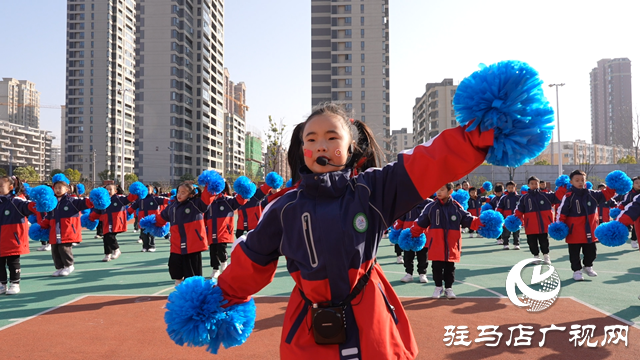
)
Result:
{"points": [[589, 185], [129, 216], [27, 189], [245, 187], [44, 198], [100, 198], [32, 219], [85, 211], [563, 180], [512, 223], [612, 233], [487, 185], [492, 222], [558, 230], [524, 189], [614, 213], [80, 188], [409, 243], [60, 177], [173, 192], [462, 197], [138, 189], [274, 180], [486, 207], [195, 316], [508, 98], [394, 235], [619, 181], [148, 224], [289, 183], [212, 180], [86, 223], [491, 196], [37, 233]]}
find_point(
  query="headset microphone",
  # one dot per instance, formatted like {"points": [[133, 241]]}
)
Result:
{"points": [[323, 161]]}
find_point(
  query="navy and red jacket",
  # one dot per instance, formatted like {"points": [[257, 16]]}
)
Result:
{"points": [[63, 222], [408, 219], [188, 232], [475, 205], [579, 210], [494, 202], [534, 210], [249, 213], [441, 221], [114, 217], [626, 199], [630, 215], [219, 218], [508, 203], [150, 205], [604, 209], [329, 228], [14, 227]]}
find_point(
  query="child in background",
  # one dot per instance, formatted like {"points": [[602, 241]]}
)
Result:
{"points": [[498, 191], [150, 205], [113, 220], [250, 213], [624, 200], [543, 187], [507, 206], [409, 255], [605, 208], [475, 205]]}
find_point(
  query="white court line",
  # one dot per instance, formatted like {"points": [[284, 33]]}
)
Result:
{"points": [[559, 268], [462, 282], [630, 323], [98, 269], [163, 290], [42, 312]]}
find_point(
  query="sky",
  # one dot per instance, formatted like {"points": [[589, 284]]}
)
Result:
{"points": [[267, 46]]}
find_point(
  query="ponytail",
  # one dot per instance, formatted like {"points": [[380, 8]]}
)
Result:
{"points": [[14, 181], [295, 156], [367, 153], [194, 190]]}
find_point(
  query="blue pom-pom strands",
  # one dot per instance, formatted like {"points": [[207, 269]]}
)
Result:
{"points": [[492, 222], [195, 316], [462, 197], [212, 180], [60, 177], [410, 243], [612, 233], [508, 98], [589, 185], [44, 198], [173, 192], [394, 235], [129, 217], [81, 189], [487, 185], [558, 230], [614, 213], [148, 224], [619, 181], [245, 187], [274, 180], [563, 180], [486, 207], [138, 189], [289, 183], [512, 223], [37, 233], [100, 198], [32, 219], [88, 224], [524, 189]]}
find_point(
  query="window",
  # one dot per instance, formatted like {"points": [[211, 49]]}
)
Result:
{"points": [[347, 69], [347, 57], [362, 82], [363, 119], [361, 45], [347, 44], [362, 57], [349, 106], [348, 94], [347, 32], [347, 81], [361, 33], [362, 8], [347, 20], [362, 107], [362, 20], [362, 70], [362, 95]]}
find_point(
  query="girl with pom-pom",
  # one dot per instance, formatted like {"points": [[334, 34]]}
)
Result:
{"points": [[498, 190], [250, 213], [113, 220], [14, 231], [507, 206], [626, 199], [475, 204], [605, 208], [151, 204], [406, 222], [329, 227], [579, 212]]}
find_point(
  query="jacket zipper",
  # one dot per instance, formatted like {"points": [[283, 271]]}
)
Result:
{"points": [[308, 237]]}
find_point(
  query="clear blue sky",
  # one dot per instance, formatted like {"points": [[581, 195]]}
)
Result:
{"points": [[267, 45]]}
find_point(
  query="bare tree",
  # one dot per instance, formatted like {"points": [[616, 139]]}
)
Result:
{"points": [[275, 136], [512, 172], [636, 134]]}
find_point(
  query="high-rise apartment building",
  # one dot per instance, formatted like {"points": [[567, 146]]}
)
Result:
{"points": [[611, 107], [254, 163], [401, 140], [433, 111], [235, 126], [100, 89], [350, 60], [25, 146], [19, 102], [180, 91]]}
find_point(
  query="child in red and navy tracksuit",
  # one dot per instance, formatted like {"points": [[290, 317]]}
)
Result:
{"points": [[507, 206], [475, 204], [113, 220], [624, 200], [579, 211], [188, 231], [250, 213], [605, 208], [14, 230], [219, 223], [498, 192], [408, 221], [534, 211], [150, 205], [442, 220]]}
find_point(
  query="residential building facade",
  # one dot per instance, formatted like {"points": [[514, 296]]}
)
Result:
{"points": [[433, 111]]}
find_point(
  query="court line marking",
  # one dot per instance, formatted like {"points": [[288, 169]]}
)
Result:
{"points": [[624, 321], [42, 312], [497, 294]]}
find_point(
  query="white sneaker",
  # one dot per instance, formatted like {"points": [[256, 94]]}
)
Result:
{"points": [[589, 271], [106, 258], [139, 241], [407, 278], [151, 250], [449, 293], [134, 230], [472, 235], [537, 257], [516, 247], [178, 282], [546, 258], [400, 260], [74, 244], [97, 237], [46, 247], [464, 231], [143, 250], [634, 244], [3, 288], [577, 275], [423, 278], [215, 274], [437, 292], [116, 254], [56, 273], [66, 271], [506, 247], [223, 266], [13, 289], [499, 242]]}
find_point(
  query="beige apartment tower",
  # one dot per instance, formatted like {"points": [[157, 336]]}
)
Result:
{"points": [[433, 111], [19, 102], [350, 60], [235, 110]]}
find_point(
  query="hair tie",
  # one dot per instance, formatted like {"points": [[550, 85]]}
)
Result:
{"points": [[351, 120]]}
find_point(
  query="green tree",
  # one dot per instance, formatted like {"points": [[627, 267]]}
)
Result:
{"points": [[73, 175], [27, 174], [187, 177], [105, 175], [542, 162], [130, 178], [628, 159], [275, 135], [3, 172], [53, 172]]}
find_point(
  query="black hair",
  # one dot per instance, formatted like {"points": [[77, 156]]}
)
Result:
{"points": [[636, 178], [295, 155], [227, 189], [498, 188], [472, 188], [465, 182], [532, 178], [601, 185], [541, 181], [14, 181], [119, 190], [511, 183], [73, 189], [450, 186], [194, 189], [577, 172]]}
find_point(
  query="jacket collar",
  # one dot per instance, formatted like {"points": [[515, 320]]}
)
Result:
{"points": [[331, 185], [577, 191]]}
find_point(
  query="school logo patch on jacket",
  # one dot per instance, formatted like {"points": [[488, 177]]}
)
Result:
{"points": [[360, 222]]}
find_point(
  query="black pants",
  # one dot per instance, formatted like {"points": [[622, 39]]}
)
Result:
{"points": [[184, 266], [240, 232], [110, 243], [471, 231], [148, 240], [535, 239], [135, 223], [506, 234], [634, 236], [589, 252], [13, 262], [218, 253], [398, 250], [443, 270], [62, 255], [422, 261], [99, 229]]}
